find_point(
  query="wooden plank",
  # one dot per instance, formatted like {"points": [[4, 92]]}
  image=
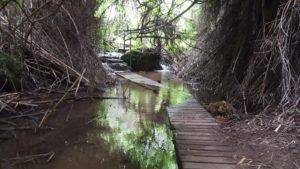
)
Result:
{"points": [[200, 159], [206, 153], [175, 109], [112, 60], [205, 148], [138, 79], [193, 165], [178, 133], [190, 133], [186, 127], [196, 130], [197, 140], [185, 112], [199, 120], [186, 117], [203, 142], [195, 124], [188, 111], [191, 116], [182, 118], [187, 107]]}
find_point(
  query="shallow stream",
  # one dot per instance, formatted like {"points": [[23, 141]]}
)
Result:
{"points": [[110, 134]]}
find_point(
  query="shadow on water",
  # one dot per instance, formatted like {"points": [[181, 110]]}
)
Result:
{"points": [[139, 125], [131, 133]]}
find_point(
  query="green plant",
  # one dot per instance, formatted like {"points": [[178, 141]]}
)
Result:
{"points": [[143, 60], [165, 25], [10, 69]]}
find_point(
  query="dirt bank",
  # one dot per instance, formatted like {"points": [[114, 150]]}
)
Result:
{"points": [[258, 142]]}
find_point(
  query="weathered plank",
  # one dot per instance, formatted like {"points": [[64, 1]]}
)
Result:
{"points": [[138, 79], [197, 138], [203, 142], [195, 124], [185, 133], [198, 142], [203, 120], [193, 165], [185, 110], [199, 159], [180, 127], [196, 130], [206, 153], [178, 111], [205, 148]]}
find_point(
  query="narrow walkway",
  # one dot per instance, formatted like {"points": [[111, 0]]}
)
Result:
{"points": [[197, 142], [138, 79]]}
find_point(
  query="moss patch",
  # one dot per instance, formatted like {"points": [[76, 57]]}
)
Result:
{"points": [[143, 60], [10, 71]]}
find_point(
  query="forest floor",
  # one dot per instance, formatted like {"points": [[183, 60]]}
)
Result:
{"points": [[258, 147], [257, 144]]}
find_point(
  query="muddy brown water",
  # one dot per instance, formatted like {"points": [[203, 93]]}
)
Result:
{"points": [[108, 134]]}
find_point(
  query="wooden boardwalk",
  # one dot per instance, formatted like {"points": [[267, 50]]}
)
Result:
{"points": [[197, 142], [138, 79]]}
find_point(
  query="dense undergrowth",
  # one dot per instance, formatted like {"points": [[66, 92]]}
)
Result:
{"points": [[49, 44], [248, 52]]}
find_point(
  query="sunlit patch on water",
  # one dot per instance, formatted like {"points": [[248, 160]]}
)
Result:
{"points": [[139, 126]]}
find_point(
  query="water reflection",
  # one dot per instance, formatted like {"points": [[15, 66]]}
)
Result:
{"points": [[138, 125]]}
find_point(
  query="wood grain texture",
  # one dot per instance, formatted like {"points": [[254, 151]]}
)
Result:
{"points": [[199, 144]]}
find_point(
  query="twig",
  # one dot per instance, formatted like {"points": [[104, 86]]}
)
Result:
{"points": [[69, 113], [8, 122], [67, 92], [66, 46], [244, 102], [34, 157], [60, 100], [298, 167], [79, 82]]}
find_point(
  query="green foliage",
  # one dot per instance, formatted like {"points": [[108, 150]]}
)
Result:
{"points": [[103, 43], [20, 5], [139, 45], [10, 68], [154, 18], [114, 22]]}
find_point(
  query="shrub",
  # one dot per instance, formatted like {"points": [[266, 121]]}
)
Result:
{"points": [[143, 60]]}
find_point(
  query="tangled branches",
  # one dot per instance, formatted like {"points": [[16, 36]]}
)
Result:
{"points": [[258, 69], [47, 51], [278, 54], [55, 41], [287, 31]]}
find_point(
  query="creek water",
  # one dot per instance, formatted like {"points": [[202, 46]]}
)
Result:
{"points": [[111, 134]]}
